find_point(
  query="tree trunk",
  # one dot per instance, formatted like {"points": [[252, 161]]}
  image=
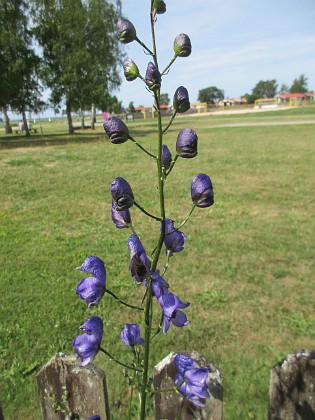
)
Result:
{"points": [[82, 119], [93, 117], [25, 124], [69, 117], [8, 128]]}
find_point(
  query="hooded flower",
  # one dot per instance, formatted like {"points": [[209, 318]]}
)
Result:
{"points": [[92, 289], [159, 285], [181, 100], [171, 305], [182, 45], [122, 194], [191, 381], [202, 191], [159, 6], [166, 157], [94, 418], [126, 31], [153, 77], [139, 262], [186, 144], [131, 70], [120, 218], [176, 240], [116, 130], [130, 335], [88, 344]]}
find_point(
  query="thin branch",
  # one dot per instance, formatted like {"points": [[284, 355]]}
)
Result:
{"points": [[170, 122], [122, 302], [120, 363], [168, 66], [144, 46], [146, 212], [142, 148]]}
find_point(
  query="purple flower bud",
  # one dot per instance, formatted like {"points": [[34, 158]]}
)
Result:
{"points": [[116, 130], [166, 157], [191, 381], [92, 289], [159, 285], [122, 194], [139, 262], [202, 191], [120, 218], [131, 70], [159, 6], [88, 344], [130, 335], [182, 45], [94, 418], [181, 100], [126, 31], [153, 77], [186, 145], [176, 240], [171, 314]]}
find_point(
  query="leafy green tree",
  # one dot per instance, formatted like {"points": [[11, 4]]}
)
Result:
{"points": [[284, 88], [164, 99], [80, 51], [210, 94], [299, 84], [131, 107], [265, 89], [19, 87]]}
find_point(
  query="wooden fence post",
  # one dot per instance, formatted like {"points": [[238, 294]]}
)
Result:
{"points": [[81, 390], [292, 387]]}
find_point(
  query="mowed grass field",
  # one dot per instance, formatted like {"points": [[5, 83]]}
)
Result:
{"points": [[247, 267]]}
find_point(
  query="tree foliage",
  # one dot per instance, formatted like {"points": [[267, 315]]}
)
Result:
{"points": [[265, 89], [80, 51], [299, 85], [164, 99], [210, 94], [19, 87]]}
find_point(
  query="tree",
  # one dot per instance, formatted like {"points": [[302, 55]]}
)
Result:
{"points": [[164, 99], [284, 88], [210, 94], [19, 85], [265, 89], [299, 85], [80, 51], [131, 107]]}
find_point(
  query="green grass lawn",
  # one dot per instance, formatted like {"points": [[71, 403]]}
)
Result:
{"points": [[247, 267]]}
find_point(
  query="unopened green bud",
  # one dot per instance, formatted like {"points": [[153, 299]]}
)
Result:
{"points": [[126, 31], [159, 6], [182, 45], [131, 70]]}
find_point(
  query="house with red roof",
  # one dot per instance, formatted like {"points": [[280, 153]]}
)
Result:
{"points": [[287, 97]]}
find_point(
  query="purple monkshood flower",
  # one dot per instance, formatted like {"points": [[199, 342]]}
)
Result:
{"points": [[159, 285], [122, 194], [191, 381], [166, 156], [126, 31], [202, 191], [182, 45], [181, 100], [186, 144], [171, 304], [116, 130], [120, 218], [92, 289], [139, 262], [176, 240], [153, 77], [130, 335], [88, 344], [94, 418]]}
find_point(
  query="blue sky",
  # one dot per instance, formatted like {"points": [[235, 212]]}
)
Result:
{"points": [[235, 43]]}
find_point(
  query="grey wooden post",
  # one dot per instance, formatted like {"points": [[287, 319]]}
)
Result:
{"points": [[83, 389], [292, 387], [167, 405]]}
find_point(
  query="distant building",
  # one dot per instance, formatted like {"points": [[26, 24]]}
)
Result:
{"points": [[232, 101], [289, 97]]}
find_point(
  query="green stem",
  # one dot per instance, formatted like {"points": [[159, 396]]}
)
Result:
{"points": [[142, 148], [122, 302], [172, 166], [170, 122], [117, 361], [183, 222], [144, 46], [169, 65], [146, 212]]}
